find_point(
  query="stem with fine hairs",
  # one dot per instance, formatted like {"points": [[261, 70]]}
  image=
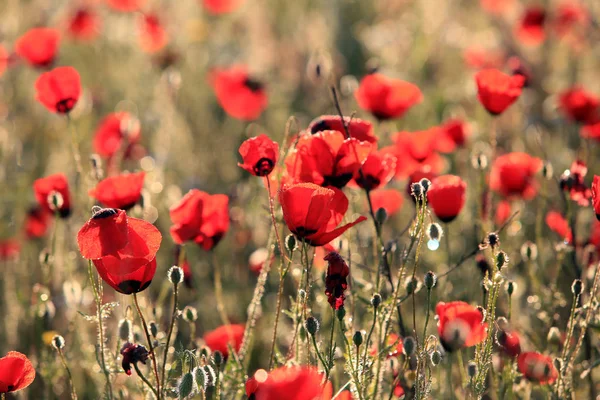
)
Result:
{"points": [[219, 291], [172, 325], [150, 346]]}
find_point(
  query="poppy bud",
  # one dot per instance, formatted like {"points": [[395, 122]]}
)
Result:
{"points": [[125, 330], [471, 369], [412, 285], [186, 385], [210, 375], [217, 358], [408, 346], [557, 364], [55, 201], [435, 231], [153, 328], [430, 280], [479, 161], [381, 216], [175, 275], [376, 300], [529, 251], [493, 239], [501, 260], [547, 170], [190, 314], [357, 338], [435, 358], [58, 342], [425, 184], [97, 172], [46, 257], [416, 190], [200, 377], [554, 336], [510, 287], [311, 325], [291, 243], [340, 313], [302, 294], [577, 287], [318, 67]]}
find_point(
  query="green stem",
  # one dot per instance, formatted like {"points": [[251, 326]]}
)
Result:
{"points": [[278, 310], [144, 379], [64, 363], [172, 325], [331, 347], [325, 365], [150, 346], [427, 313], [219, 292]]}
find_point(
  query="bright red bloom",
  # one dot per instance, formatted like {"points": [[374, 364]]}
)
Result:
{"points": [[557, 223], [518, 67], [291, 383], [390, 200], [36, 222], [312, 213], [44, 187], [220, 338], [447, 196], [503, 212], [513, 175], [38, 46], [417, 151], [120, 191], [395, 344], [596, 196], [579, 105], [460, 325], [152, 35], [478, 58], [9, 249], [386, 98], [4, 58], [378, 169], [200, 217], [496, 6], [572, 18], [497, 90], [530, 29], [240, 95], [222, 6], [327, 158], [16, 372], [335, 279], [116, 130], [591, 131], [456, 131], [572, 180], [537, 367], [259, 154], [58, 90], [510, 342], [84, 24], [126, 5], [358, 128]]}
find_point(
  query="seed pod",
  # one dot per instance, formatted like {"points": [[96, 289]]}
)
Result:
{"points": [[430, 279], [577, 287], [376, 300], [435, 358], [471, 369], [381, 216]]}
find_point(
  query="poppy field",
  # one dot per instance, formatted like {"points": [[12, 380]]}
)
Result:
{"points": [[303, 200]]}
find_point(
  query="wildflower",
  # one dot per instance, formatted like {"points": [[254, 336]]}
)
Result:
{"points": [[240, 95], [447, 196], [335, 279], [259, 154], [16, 372], [359, 129], [513, 175], [117, 131], [126, 5], [377, 170], [59, 90], [220, 338], [456, 131], [596, 196], [572, 180], [530, 30], [9, 249], [120, 191], [497, 91], [222, 6], [38, 46], [387, 98], [37, 221], [459, 325], [579, 105], [293, 383], [153, 37], [509, 341], [133, 353], [389, 200], [557, 223], [84, 24], [45, 187], [537, 367]]}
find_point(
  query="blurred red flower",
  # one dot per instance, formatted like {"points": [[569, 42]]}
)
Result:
{"points": [[390, 200], [220, 338], [503, 212], [312, 213], [518, 67], [291, 383], [378, 169], [460, 325], [126, 5], [222, 6], [596, 196], [240, 95], [152, 35], [259, 154], [44, 187], [496, 6], [509, 342], [537, 367], [120, 191], [417, 151], [37, 222], [497, 90], [457, 131], [571, 19], [591, 131], [200, 217], [513, 175], [335, 279], [16, 372], [579, 105], [386, 98], [479, 58], [447, 196], [117, 131], [358, 128], [257, 260], [84, 24], [122, 248], [9, 249], [557, 223], [4, 58], [38, 46], [530, 29], [572, 181], [58, 90]]}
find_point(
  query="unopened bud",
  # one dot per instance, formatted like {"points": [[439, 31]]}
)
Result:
{"points": [[554, 336], [376, 300], [311, 325], [175, 275], [190, 314], [58, 342], [217, 358], [435, 231], [357, 338], [125, 330], [186, 385], [479, 161], [210, 375], [426, 184], [430, 279], [412, 285], [435, 358], [471, 369], [493, 239], [381, 216], [200, 377], [577, 287], [153, 328], [416, 190], [501, 260], [55, 200], [340, 313], [510, 287], [529, 251], [408, 346], [291, 244]]}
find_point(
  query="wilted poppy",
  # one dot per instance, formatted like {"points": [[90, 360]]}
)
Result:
{"points": [[460, 325], [579, 105], [335, 279], [509, 342], [117, 131], [126, 5], [259, 154], [537, 368], [224, 336], [122, 248], [133, 353], [596, 196], [497, 90], [387, 98], [291, 383], [16, 372], [45, 187], [557, 223], [357, 128], [312, 213], [390, 200], [530, 29], [152, 35], [222, 6], [377, 170], [84, 24], [58, 90], [446, 196], [120, 191], [240, 95], [9, 249], [513, 175], [38, 46], [572, 181], [37, 221], [200, 217]]}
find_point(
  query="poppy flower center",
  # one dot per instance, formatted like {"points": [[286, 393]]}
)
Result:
{"points": [[319, 126], [263, 167], [253, 84], [66, 105], [338, 181], [302, 232], [104, 213]]}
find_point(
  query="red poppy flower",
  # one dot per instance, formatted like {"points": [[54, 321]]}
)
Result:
{"points": [[579, 105], [390, 200], [572, 180], [327, 158], [4, 57], [518, 67], [530, 29], [510, 342], [387, 98], [84, 24], [497, 90], [38, 46], [152, 35], [133, 353], [557, 223], [58, 90], [417, 151], [503, 212], [36, 222], [496, 6], [222, 6], [456, 131], [116, 130], [121, 191], [335, 279], [447, 196], [513, 175], [16, 372], [9, 249], [291, 383], [126, 5], [220, 338], [596, 196], [358, 128], [537, 367], [240, 95], [460, 325], [44, 187], [200, 217], [572, 18], [378, 169], [478, 58], [312, 213], [259, 154], [591, 131]]}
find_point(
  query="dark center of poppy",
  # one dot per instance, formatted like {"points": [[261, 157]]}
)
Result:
{"points": [[302, 232], [65, 105], [319, 126], [368, 182], [64, 212], [263, 167], [337, 181], [132, 286], [104, 213], [253, 84]]}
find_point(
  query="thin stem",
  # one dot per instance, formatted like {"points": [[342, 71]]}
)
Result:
{"points": [[172, 325], [325, 365], [278, 312], [368, 341], [219, 292], [331, 347], [75, 146], [427, 311], [274, 220], [64, 363], [144, 379], [150, 346]]}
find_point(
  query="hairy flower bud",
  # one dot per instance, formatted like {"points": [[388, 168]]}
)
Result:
{"points": [[408, 346], [200, 377], [186, 385], [376, 300], [501, 260], [435, 358], [510, 287], [55, 201], [291, 244], [190, 314], [430, 279], [416, 190], [435, 231], [381, 216], [529, 251], [153, 328], [479, 161], [577, 287], [175, 275], [58, 342], [217, 358], [472, 369], [357, 339], [125, 330], [311, 325], [425, 184]]}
